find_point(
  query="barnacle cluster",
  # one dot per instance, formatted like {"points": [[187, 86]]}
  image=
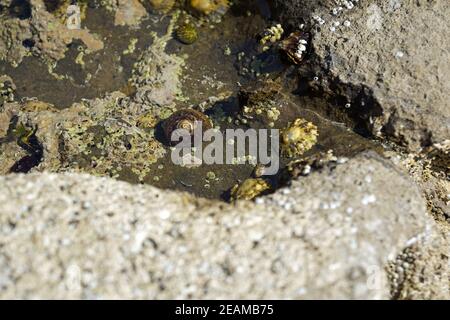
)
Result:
{"points": [[249, 189], [59, 8], [131, 46], [7, 89], [270, 36], [260, 103], [296, 46], [269, 113], [304, 166], [298, 137]]}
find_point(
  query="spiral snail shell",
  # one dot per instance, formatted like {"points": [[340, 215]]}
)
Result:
{"points": [[187, 119]]}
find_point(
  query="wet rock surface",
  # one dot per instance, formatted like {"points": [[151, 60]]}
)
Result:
{"points": [[386, 59], [332, 235]]}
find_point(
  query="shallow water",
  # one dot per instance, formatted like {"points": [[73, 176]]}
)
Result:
{"points": [[225, 57]]}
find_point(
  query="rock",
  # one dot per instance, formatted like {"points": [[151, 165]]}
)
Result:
{"points": [[431, 178], [344, 215], [295, 12], [129, 13], [102, 136], [421, 271], [39, 33], [329, 235], [386, 59]]}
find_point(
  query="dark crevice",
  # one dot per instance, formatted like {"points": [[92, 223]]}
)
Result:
{"points": [[20, 9], [352, 105], [53, 5], [28, 141], [28, 43]]}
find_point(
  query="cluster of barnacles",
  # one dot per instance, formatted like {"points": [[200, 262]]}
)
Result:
{"points": [[295, 46], [271, 35]]}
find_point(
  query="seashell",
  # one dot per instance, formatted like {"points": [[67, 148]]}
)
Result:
{"points": [[187, 119]]}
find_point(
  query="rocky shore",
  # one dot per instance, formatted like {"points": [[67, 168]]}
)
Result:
{"points": [[372, 226]]}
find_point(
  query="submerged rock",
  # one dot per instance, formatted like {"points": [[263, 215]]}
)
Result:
{"points": [[129, 12], [110, 136], [40, 33]]}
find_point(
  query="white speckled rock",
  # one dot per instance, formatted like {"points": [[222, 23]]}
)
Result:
{"points": [[388, 59], [328, 236]]}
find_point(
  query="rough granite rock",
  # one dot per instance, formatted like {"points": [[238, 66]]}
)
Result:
{"points": [[39, 33], [129, 12], [329, 235], [387, 59]]}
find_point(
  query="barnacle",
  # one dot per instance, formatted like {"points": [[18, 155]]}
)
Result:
{"points": [[298, 138], [304, 166], [260, 103], [59, 8], [7, 89], [249, 189], [271, 35], [187, 119], [296, 46], [187, 33]]}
